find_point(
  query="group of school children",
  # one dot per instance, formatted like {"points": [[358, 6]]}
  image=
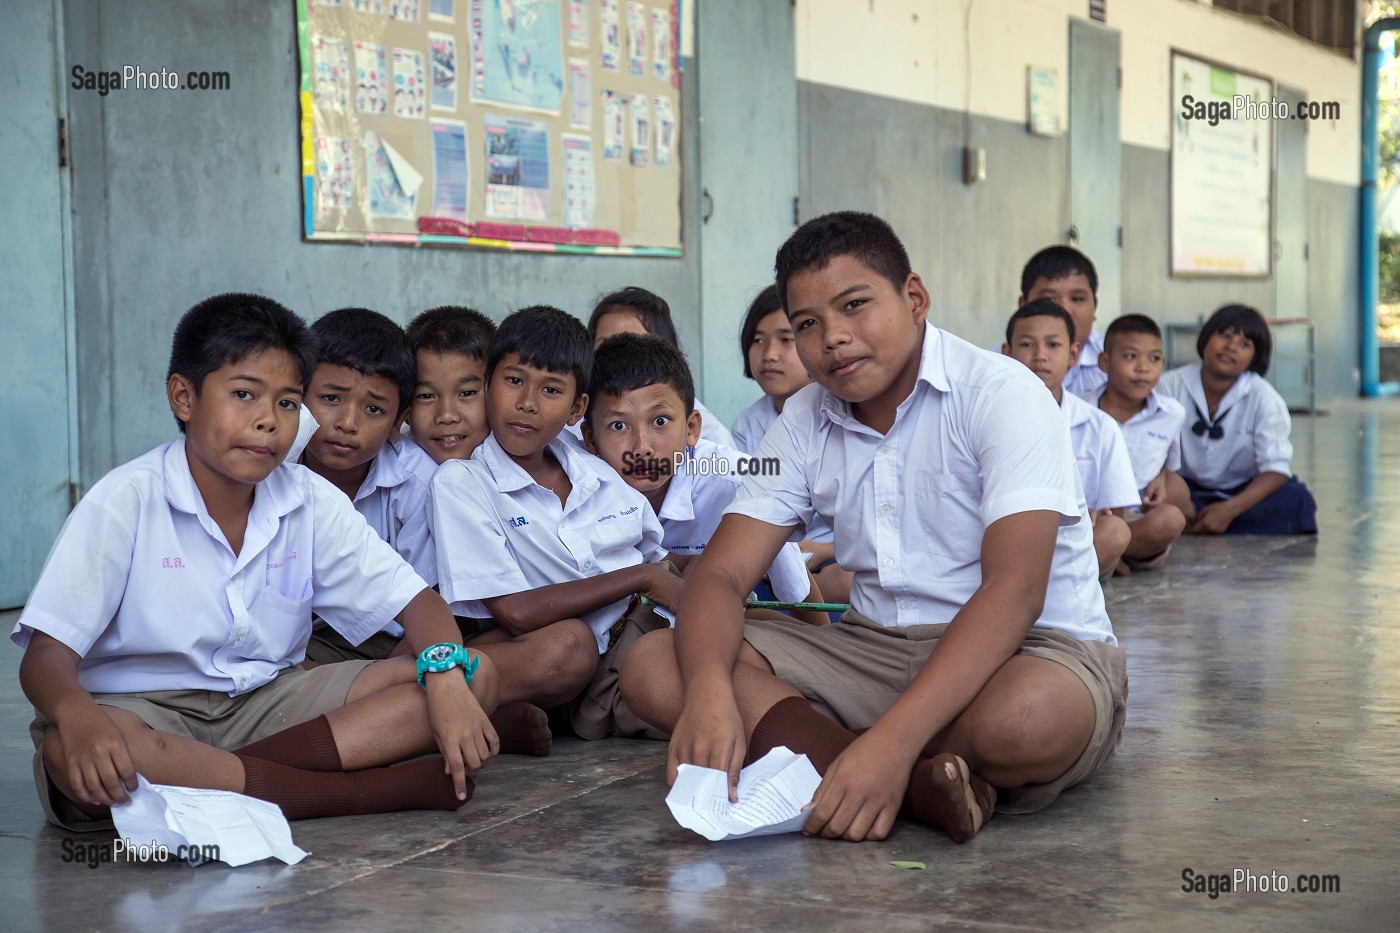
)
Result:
{"points": [[302, 600]]}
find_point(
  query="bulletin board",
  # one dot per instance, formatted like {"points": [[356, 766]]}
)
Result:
{"points": [[1222, 175], [540, 125]]}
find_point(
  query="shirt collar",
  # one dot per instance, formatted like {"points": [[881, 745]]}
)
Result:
{"points": [[386, 471], [511, 476], [1075, 408], [1237, 393], [679, 504], [280, 493], [933, 370]]}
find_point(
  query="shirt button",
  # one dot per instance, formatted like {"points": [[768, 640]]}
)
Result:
{"points": [[904, 604], [889, 561], [587, 564], [884, 448], [885, 509]]}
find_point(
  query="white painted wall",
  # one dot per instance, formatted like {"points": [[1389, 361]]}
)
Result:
{"points": [[921, 51]]}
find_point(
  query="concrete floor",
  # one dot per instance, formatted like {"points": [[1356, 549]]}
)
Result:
{"points": [[1262, 735]]}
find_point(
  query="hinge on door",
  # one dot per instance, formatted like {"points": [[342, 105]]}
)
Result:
{"points": [[62, 143], [1120, 237], [796, 212], [73, 496]]}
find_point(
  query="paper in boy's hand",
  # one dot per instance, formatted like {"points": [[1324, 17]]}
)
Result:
{"points": [[772, 793], [243, 829]]}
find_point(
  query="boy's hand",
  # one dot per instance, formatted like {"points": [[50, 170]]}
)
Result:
{"points": [[860, 795], [99, 763], [461, 728], [1155, 492], [1214, 519], [1094, 515], [663, 585], [709, 734]]}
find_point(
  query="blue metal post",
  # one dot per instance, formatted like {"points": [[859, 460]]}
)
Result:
{"points": [[1371, 385]]}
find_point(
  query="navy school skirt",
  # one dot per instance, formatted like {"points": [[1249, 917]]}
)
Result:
{"points": [[1290, 510]]}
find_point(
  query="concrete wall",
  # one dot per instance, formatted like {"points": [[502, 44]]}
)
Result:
{"points": [[182, 195]]}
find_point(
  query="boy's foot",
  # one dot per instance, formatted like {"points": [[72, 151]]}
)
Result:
{"points": [[944, 791], [523, 729]]}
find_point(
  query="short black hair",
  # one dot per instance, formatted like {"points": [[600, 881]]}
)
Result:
{"points": [[1247, 321], [634, 361], [861, 236], [1041, 307], [545, 338], [648, 307], [369, 343], [764, 304], [451, 329], [1130, 324], [227, 328], [1058, 262]]}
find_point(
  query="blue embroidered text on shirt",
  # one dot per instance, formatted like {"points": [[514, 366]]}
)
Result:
{"points": [[629, 511], [518, 522], [1158, 435]]}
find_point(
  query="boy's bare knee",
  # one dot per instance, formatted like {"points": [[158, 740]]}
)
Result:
{"points": [[649, 670], [1048, 722], [570, 656]]}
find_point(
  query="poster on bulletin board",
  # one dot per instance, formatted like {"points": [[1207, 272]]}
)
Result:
{"points": [[1221, 174], [540, 125]]}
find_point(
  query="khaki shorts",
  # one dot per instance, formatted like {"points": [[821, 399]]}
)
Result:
{"points": [[854, 670], [327, 646], [211, 717], [599, 711]]}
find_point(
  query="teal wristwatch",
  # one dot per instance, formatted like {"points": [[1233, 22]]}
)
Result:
{"points": [[443, 657]]}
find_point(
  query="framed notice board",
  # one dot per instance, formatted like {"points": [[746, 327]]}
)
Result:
{"points": [[544, 125]]}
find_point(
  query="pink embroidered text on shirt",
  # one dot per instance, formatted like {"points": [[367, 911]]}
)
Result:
{"points": [[278, 565], [173, 563]]}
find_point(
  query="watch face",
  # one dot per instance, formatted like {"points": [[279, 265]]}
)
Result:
{"points": [[439, 653]]}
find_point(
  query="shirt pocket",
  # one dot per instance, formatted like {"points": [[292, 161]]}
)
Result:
{"points": [[948, 506], [280, 627], [618, 534]]}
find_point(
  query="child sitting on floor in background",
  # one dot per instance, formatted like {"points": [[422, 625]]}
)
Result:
{"points": [[1235, 448]]}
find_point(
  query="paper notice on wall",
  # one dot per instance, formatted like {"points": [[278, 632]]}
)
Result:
{"points": [[332, 73], [580, 94], [578, 23], [580, 192], [371, 78], [637, 51], [335, 174], [639, 117], [449, 170], [662, 40], [443, 50], [410, 91], [614, 126], [442, 10], [665, 130], [517, 168], [393, 182], [408, 11], [610, 35]]}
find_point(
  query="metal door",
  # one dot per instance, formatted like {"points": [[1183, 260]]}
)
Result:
{"points": [[1096, 159]]}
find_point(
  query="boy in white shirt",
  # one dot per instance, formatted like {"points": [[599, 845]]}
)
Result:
{"points": [[169, 622], [1039, 336], [1151, 424], [978, 656], [447, 406], [359, 394], [642, 421], [1068, 277], [539, 541]]}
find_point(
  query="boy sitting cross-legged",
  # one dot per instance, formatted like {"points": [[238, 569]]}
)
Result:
{"points": [[165, 633], [541, 546], [978, 656]]}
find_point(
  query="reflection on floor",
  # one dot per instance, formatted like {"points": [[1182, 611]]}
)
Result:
{"points": [[1262, 736]]}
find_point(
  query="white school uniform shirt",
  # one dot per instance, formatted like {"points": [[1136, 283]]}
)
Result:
{"points": [[143, 585], [753, 422], [1101, 455], [394, 502], [1153, 436], [1256, 423], [499, 532], [711, 429], [695, 503], [978, 439], [1084, 377], [413, 458]]}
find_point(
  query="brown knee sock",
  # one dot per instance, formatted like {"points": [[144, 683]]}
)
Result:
{"points": [[793, 722], [523, 729], [309, 746], [945, 793], [418, 785]]}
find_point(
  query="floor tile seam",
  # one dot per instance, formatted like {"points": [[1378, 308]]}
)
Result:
{"points": [[767, 899]]}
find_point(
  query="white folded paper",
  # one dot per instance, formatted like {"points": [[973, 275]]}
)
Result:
{"points": [[772, 793], [165, 823]]}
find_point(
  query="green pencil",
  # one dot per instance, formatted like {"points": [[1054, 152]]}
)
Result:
{"points": [[782, 605]]}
